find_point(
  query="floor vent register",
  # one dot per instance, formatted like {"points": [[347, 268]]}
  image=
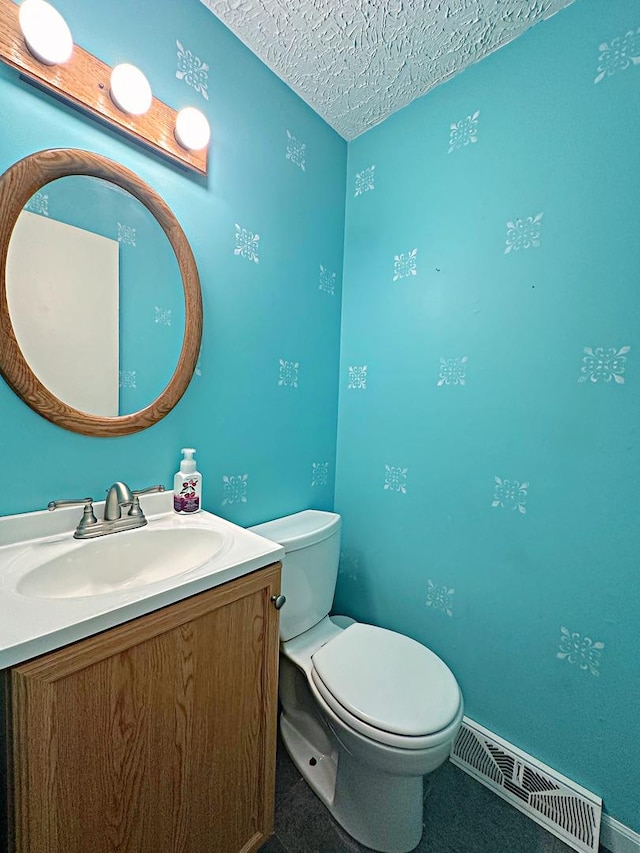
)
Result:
{"points": [[564, 808]]}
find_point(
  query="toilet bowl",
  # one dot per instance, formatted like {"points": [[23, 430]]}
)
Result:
{"points": [[366, 712]]}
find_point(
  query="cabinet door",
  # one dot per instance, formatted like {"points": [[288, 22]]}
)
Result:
{"points": [[157, 736]]}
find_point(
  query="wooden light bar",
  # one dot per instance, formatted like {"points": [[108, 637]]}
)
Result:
{"points": [[83, 82]]}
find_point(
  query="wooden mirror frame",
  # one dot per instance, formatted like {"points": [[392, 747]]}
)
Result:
{"points": [[17, 185]]}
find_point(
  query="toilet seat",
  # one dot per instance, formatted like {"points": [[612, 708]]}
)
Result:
{"points": [[387, 686]]}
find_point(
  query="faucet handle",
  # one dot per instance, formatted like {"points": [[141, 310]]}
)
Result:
{"points": [[88, 516], [148, 490], [136, 509], [57, 504]]}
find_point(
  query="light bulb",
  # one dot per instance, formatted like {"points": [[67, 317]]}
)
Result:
{"points": [[192, 129], [130, 89], [45, 32]]}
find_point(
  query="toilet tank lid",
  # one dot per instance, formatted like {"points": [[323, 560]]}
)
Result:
{"points": [[300, 529]]}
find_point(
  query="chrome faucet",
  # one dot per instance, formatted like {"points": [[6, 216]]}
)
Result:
{"points": [[119, 496]]}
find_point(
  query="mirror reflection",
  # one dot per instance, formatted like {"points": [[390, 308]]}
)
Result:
{"points": [[95, 296]]}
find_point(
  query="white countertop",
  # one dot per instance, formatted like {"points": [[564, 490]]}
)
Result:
{"points": [[31, 626]]}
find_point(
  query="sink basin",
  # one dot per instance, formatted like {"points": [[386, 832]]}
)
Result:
{"points": [[55, 590], [121, 561]]}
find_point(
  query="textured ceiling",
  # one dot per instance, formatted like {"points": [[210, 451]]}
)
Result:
{"points": [[357, 61]]}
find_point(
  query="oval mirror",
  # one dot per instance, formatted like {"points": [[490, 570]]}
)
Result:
{"points": [[104, 279], [100, 325]]}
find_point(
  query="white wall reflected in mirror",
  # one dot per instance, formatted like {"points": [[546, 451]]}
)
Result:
{"points": [[63, 298]]}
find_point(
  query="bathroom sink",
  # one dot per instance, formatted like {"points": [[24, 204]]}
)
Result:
{"points": [[55, 589], [120, 561]]}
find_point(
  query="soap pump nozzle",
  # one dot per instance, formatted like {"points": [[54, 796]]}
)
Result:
{"points": [[188, 464]]}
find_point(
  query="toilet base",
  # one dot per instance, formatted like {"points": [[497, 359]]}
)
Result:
{"points": [[377, 809], [317, 768]]}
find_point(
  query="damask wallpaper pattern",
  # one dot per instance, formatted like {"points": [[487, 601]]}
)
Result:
{"points": [[489, 421]]}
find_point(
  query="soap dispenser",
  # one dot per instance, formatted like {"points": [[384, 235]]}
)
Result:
{"points": [[187, 484]]}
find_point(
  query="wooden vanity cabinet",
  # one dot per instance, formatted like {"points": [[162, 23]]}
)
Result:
{"points": [[157, 736]]}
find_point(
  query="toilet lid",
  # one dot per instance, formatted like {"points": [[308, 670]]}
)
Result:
{"points": [[388, 681]]}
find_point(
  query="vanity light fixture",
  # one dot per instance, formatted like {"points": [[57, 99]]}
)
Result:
{"points": [[192, 129], [73, 75], [130, 89], [45, 32]]}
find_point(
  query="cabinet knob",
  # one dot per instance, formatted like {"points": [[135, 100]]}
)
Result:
{"points": [[278, 601]]}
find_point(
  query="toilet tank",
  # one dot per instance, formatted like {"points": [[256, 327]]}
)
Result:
{"points": [[311, 541]]}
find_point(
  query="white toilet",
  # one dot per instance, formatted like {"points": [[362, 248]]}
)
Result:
{"points": [[366, 712]]}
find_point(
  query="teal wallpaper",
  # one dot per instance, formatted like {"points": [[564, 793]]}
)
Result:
{"points": [[488, 440], [266, 228]]}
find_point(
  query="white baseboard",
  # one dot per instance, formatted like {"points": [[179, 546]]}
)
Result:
{"points": [[617, 837]]}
